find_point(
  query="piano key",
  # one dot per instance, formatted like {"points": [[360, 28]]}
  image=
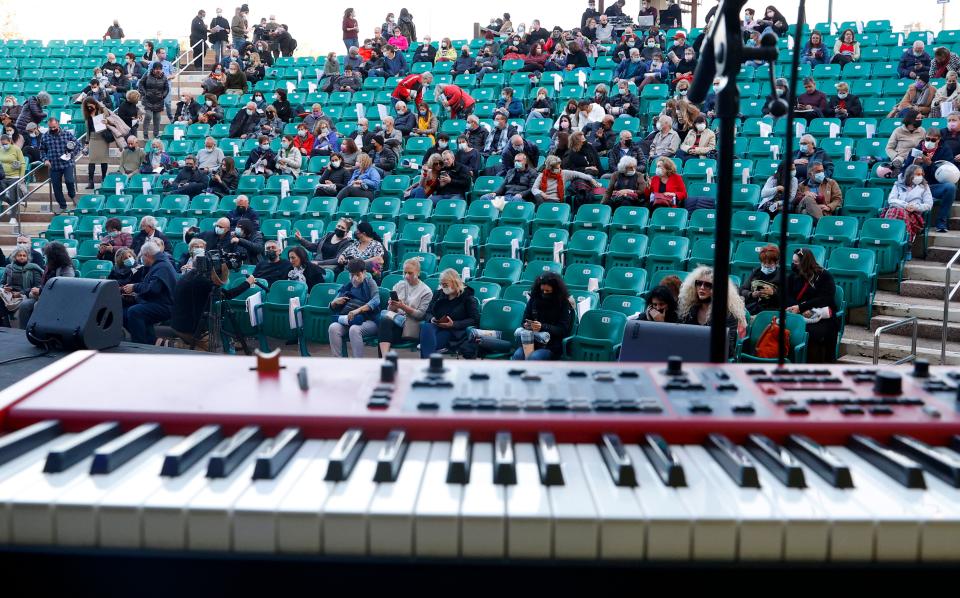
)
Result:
{"points": [[940, 537], [576, 531], [345, 512], [208, 513], [529, 519], [823, 462], [234, 451], [904, 470], [941, 464], [622, 522], [276, 452], [461, 452], [255, 514], [122, 449], [482, 510], [714, 522], [22, 441], [760, 526], [669, 521], [548, 460], [299, 526], [344, 455], [776, 459], [81, 446], [391, 457], [806, 523], [437, 511], [190, 450], [391, 512], [19, 473], [734, 460], [664, 461], [77, 510], [617, 461], [504, 461]]}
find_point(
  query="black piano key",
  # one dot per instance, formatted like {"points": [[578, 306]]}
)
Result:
{"points": [[238, 447], [548, 458], [345, 455], [664, 461], [277, 453], [818, 458], [26, 439], [955, 442], [945, 467], [461, 453], [903, 470], [618, 461], [190, 450], [504, 460], [778, 460], [391, 457], [80, 447], [115, 453], [734, 460]]}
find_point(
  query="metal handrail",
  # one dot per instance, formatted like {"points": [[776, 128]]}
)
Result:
{"points": [[948, 294], [913, 349], [19, 201], [188, 51]]}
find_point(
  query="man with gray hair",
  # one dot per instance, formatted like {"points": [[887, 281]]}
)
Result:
{"points": [[810, 153], [210, 157], [33, 112], [405, 122], [666, 142], [132, 157], [154, 296], [914, 60], [246, 122], [148, 231]]}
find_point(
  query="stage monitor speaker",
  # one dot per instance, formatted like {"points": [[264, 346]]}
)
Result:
{"points": [[77, 313]]}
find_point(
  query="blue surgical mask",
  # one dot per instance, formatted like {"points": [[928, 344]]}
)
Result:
{"points": [[818, 177], [219, 230], [129, 262], [768, 269]]}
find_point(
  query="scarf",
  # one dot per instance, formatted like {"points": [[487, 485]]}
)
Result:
{"points": [[558, 177], [297, 274]]}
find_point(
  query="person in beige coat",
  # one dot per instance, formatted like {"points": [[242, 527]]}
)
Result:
{"points": [[818, 196], [99, 142], [904, 138]]}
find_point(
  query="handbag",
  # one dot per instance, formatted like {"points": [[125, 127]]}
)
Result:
{"points": [[663, 200], [769, 341]]}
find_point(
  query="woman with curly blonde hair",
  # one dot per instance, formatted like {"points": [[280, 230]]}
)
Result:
{"points": [[696, 300]]}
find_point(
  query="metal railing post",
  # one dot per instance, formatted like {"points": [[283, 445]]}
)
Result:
{"points": [[948, 294], [913, 348]]}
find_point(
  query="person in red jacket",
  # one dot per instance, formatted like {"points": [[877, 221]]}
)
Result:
{"points": [[666, 187], [457, 101], [304, 140], [411, 88]]}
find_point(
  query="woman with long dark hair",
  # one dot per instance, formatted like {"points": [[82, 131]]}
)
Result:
{"points": [[661, 306], [303, 269], [547, 320], [810, 293]]}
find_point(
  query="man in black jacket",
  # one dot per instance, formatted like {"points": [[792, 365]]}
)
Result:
{"points": [[476, 133], [241, 209], [272, 267], [590, 13], [245, 123], [198, 35], [148, 230], [844, 104], [517, 183], [517, 146], [221, 238], [190, 180], [188, 109], [600, 135], [219, 38], [454, 182]]}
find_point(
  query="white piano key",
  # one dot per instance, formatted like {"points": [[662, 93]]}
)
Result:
{"points": [[714, 522], [529, 519], [391, 512], [345, 512], [254, 516], [299, 527], [482, 511], [576, 524], [208, 513], [31, 510], [669, 522], [16, 474], [807, 525], [76, 511], [897, 531], [437, 512], [622, 521], [760, 527], [937, 513]]}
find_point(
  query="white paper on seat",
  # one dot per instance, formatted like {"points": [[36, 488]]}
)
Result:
{"points": [[284, 188], [425, 243], [252, 302], [834, 130], [292, 313], [765, 129]]}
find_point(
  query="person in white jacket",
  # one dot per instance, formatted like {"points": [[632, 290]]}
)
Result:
{"points": [[289, 158], [950, 92], [909, 200]]}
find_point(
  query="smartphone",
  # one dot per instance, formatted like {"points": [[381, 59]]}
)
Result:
{"points": [[394, 296]]}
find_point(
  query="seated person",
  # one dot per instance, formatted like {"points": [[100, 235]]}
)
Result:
{"points": [[918, 97], [58, 263], [154, 296], [19, 276], [367, 246], [402, 317], [931, 152], [196, 248], [701, 142], [113, 239], [549, 186], [452, 309], [819, 195], [696, 299], [364, 180], [262, 159], [356, 308], [249, 239], [517, 184], [909, 199], [242, 210], [627, 185], [661, 306], [904, 139], [759, 290], [844, 104], [468, 156], [272, 267], [547, 320], [123, 266], [772, 194], [225, 181], [289, 158], [302, 268], [810, 153], [812, 103], [334, 177], [666, 188], [328, 247], [190, 181], [666, 141], [405, 121], [149, 231]]}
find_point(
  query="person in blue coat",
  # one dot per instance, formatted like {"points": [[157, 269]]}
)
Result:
{"points": [[913, 61], [154, 295], [512, 105]]}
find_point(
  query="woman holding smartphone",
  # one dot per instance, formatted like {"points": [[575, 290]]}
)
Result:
{"points": [[452, 310], [406, 308]]}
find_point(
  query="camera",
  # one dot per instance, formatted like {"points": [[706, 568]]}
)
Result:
{"points": [[215, 260]]}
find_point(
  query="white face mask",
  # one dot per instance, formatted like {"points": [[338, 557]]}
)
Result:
{"points": [[842, 95], [918, 180], [447, 290], [701, 126], [929, 144], [660, 171]]}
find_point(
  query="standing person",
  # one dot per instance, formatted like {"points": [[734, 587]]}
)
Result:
{"points": [[114, 31], [13, 167], [547, 320], [97, 146], [351, 36], [198, 39], [153, 89], [129, 111], [219, 35], [60, 150], [810, 293], [405, 23], [459, 103], [33, 112], [239, 27]]}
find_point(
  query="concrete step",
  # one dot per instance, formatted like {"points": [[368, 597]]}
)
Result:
{"points": [[898, 306], [927, 328], [929, 271], [918, 289], [857, 343], [950, 239], [941, 254]]}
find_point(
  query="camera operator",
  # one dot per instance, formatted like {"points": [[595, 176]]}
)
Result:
{"points": [[272, 267]]}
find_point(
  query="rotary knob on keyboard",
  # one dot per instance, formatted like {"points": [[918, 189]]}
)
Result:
{"points": [[388, 372], [392, 357], [674, 366], [888, 383], [436, 364], [921, 368]]}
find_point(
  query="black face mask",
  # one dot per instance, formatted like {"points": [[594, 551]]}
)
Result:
{"points": [[241, 209], [795, 269], [338, 233], [270, 254]]}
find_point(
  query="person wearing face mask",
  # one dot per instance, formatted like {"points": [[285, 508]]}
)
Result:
{"points": [[262, 159], [209, 157], [425, 52], [551, 184], [700, 142], [113, 239], [316, 115], [678, 49], [843, 104], [328, 247], [14, 166], [918, 97], [224, 181], [950, 136], [441, 145], [517, 183], [666, 141], [19, 276], [117, 85], [819, 195], [426, 124], [60, 150], [242, 211], [772, 195], [333, 178], [403, 316], [304, 140], [518, 145], [188, 110], [33, 112], [248, 238], [476, 133], [196, 248], [909, 200], [904, 139], [405, 121], [154, 296], [190, 180], [357, 311], [657, 71], [914, 60], [289, 158], [950, 92], [928, 155], [684, 68], [759, 290], [651, 46], [153, 89], [219, 34], [273, 266], [468, 156], [458, 102], [666, 188], [810, 153], [31, 143], [811, 292], [270, 125], [507, 101], [542, 106], [627, 185], [452, 309], [547, 319], [124, 264], [282, 105], [11, 108], [236, 79]]}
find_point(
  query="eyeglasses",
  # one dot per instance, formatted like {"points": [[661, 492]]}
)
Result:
{"points": [[933, 139], [704, 284]]}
